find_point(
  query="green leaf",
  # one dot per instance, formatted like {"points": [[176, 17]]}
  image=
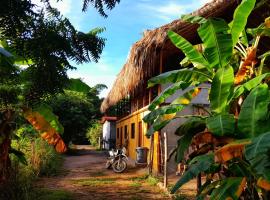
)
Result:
{"points": [[249, 85], [167, 93], [169, 109], [254, 111], [187, 130], [217, 42], [187, 96], [78, 85], [158, 124], [228, 188], [193, 55], [192, 125], [193, 19], [221, 125], [19, 155], [47, 112], [185, 75], [261, 30], [5, 52], [198, 164], [240, 17], [257, 153], [221, 89]]}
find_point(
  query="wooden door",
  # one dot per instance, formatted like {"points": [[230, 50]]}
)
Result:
{"points": [[140, 134], [121, 137]]}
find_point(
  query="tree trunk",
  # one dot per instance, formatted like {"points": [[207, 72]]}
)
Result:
{"points": [[5, 142]]}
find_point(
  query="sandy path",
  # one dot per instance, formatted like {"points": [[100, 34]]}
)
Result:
{"points": [[85, 176]]}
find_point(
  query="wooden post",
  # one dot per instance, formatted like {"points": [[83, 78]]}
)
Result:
{"points": [[151, 152], [199, 183], [99, 143], [165, 159]]}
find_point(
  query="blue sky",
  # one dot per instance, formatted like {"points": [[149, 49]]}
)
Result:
{"points": [[124, 26]]}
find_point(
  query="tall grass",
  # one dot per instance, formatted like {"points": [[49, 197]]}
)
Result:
{"points": [[42, 160]]}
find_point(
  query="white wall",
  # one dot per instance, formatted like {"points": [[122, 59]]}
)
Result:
{"points": [[106, 132]]}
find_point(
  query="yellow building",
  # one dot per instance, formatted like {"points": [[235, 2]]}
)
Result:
{"points": [[152, 55]]}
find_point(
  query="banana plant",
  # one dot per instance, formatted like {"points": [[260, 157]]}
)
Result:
{"points": [[232, 139]]}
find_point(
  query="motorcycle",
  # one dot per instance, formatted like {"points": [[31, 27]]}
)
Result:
{"points": [[117, 160]]}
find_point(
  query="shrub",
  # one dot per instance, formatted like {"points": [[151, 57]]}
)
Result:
{"points": [[42, 160], [93, 133]]}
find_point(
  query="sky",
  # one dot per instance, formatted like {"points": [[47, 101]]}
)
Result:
{"points": [[124, 26]]}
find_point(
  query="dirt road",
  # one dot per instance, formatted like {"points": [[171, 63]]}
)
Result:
{"points": [[85, 177]]}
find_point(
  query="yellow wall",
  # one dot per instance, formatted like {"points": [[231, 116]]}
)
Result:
{"points": [[133, 142]]}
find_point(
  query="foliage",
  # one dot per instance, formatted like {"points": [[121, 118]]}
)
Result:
{"points": [[42, 160], [99, 5], [234, 144], [76, 108], [94, 133], [37, 45]]}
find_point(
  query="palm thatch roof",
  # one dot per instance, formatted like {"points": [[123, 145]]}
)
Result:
{"points": [[145, 54]]}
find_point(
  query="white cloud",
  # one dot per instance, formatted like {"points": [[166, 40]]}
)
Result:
{"points": [[63, 6], [171, 10]]}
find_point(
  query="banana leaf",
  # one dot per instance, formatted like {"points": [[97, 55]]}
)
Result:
{"points": [[217, 42], [192, 53], [249, 85], [169, 109], [229, 188], [253, 115], [187, 130], [240, 17], [257, 153], [47, 112], [5, 52], [221, 125], [185, 75], [221, 89], [197, 165], [167, 93], [186, 97], [230, 151], [77, 85], [192, 125], [158, 124], [19, 155], [193, 19]]}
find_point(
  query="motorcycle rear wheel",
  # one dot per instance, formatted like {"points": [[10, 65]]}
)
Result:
{"points": [[119, 165]]}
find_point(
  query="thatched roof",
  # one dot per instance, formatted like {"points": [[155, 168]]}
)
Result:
{"points": [[145, 54]]}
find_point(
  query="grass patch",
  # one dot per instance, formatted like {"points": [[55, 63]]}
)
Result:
{"points": [[135, 184], [139, 178], [45, 194], [94, 182], [98, 173], [151, 180]]}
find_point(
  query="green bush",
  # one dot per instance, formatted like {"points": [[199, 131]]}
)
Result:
{"points": [[42, 160], [93, 133]]}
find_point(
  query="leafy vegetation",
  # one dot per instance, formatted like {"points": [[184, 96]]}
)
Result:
{"points": [[77, 109], [94, 133], [231, 140], [37, 46]]}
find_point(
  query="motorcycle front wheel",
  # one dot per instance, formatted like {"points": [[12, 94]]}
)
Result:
{"points": [[119, 165]]}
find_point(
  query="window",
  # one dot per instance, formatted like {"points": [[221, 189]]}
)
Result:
{"points": [[126, 132], [132, 130], [117, 133]]}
